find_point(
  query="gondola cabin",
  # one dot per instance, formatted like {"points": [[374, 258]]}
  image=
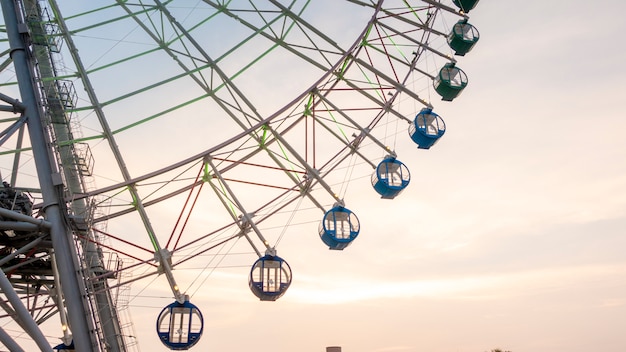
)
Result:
{"points": [[427, 128], [339, 228], [463, 37], [450, 82], [270, 277], [390, 178], [180, 326], [65, 348], [465, 5]]}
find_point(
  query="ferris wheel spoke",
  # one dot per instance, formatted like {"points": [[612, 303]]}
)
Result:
{"points": [[245, 221], [364, 132], [410, 40], [450, 9], [210, 90], [299, 185], [312, 46]]}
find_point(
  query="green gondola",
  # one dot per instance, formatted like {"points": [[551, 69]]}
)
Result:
{"points": [[465, 5], [450, 82], [463, 37]]}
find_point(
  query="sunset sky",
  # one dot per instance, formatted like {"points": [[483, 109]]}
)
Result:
{"points": [[511, 234]]}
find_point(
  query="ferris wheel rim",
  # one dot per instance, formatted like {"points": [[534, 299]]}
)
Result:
{"points": [[353, 50]]}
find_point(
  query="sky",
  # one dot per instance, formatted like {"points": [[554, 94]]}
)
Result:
{"points": [[511, 233], [515, 241]]}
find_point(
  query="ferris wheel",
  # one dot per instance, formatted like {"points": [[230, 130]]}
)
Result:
{"points": [[142, 137]]}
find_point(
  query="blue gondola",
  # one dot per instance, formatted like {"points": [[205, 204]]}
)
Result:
{"points": [[390, 178], [180, 326], [270, 277], [450, 82], [427, 128], [465, 5], [65, 348], [463, 37], [339, 227]]}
